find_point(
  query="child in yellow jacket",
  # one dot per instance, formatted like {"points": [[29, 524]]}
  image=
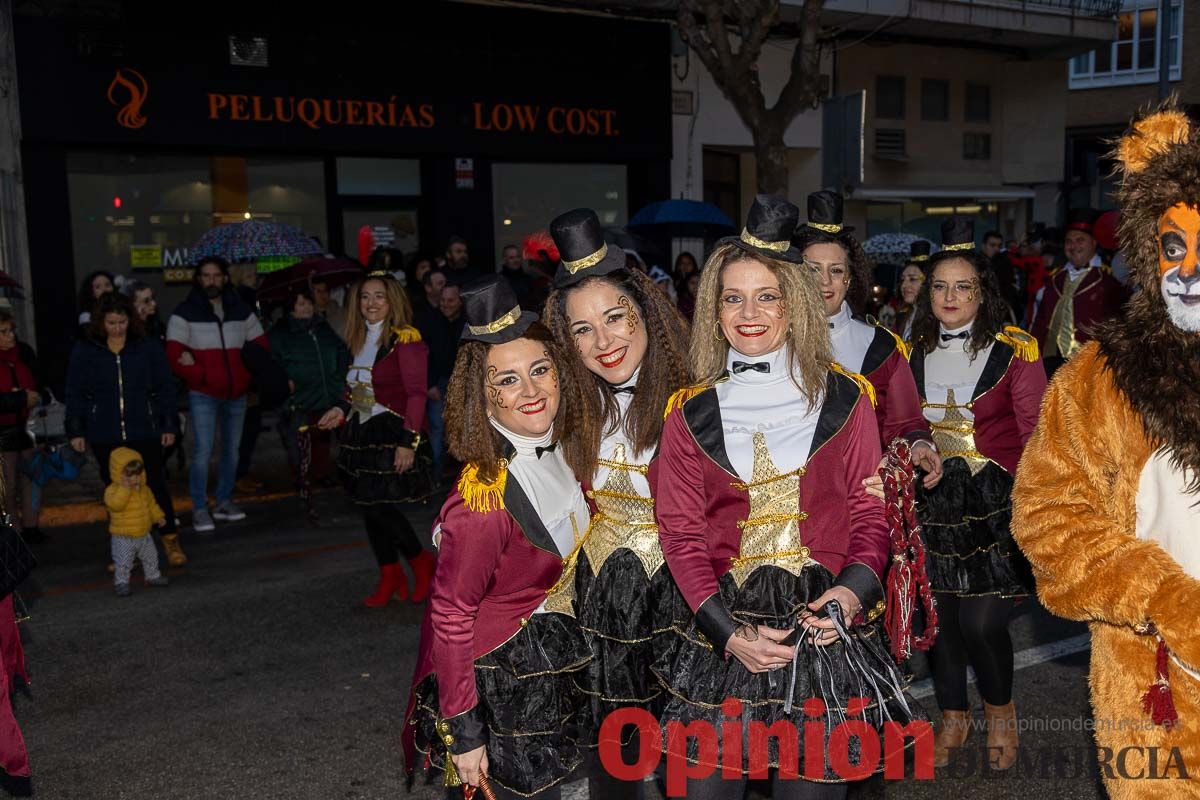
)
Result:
{"points": [[131, 512]]}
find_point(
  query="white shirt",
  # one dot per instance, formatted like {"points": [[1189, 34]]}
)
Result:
{"points": [[851, 338], [610, 442], [1166, 514], [769, 402], [950, 366], [364, 360], [551, 488]]}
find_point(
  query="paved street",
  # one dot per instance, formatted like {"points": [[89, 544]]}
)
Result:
{"points": [[259, 674]]}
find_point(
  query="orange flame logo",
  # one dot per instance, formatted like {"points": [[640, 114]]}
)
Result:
{"points": [[130, 114]]}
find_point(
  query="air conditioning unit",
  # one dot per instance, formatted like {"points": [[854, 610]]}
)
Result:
{"points": [[248, 51], [890, 144]]}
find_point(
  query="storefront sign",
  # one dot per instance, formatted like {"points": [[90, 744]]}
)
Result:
{"points": [[145, 256], [521, 109]]}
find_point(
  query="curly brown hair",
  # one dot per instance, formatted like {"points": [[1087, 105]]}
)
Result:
{"points": [[472, 439], [664, 367], [113, 303], [861, 274], [993, 310]]}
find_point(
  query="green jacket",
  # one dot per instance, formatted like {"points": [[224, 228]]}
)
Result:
{"points": [[315, 360]]}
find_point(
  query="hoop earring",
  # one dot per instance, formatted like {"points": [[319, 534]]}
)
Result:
{"points": [[717, 334]]}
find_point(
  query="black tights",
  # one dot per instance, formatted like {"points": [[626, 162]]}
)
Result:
{"points": [[716, 787], [390, 534], [974, 630]]}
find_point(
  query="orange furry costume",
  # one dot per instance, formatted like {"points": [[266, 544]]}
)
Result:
{"points": [[1107, 498]]}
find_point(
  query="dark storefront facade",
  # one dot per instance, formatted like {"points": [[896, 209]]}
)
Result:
{"points": [[479, 122]]}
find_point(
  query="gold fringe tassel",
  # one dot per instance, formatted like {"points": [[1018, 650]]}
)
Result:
{"points": [[904, 347], [1025, 346], [680, 397], [479, 496], [407, 335], [863, 383]]}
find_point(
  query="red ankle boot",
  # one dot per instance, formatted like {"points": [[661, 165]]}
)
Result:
{"points": [[392, 580], [422, 567]]}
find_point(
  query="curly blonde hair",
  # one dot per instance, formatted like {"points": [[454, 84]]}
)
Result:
{"points": [[808, 331]]}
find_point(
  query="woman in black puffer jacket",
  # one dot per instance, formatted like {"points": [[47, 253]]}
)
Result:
{"points": [[120, 393]]}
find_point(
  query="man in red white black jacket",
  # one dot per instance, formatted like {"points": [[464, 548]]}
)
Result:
{"points": [[205, 337]]}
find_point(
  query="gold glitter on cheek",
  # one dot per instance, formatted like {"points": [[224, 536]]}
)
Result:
{"points": [[631, 317]]}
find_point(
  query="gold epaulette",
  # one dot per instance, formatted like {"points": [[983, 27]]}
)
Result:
{"points": [[407, 335], [479, 496], [863, 384], [1025, 346], [904, 347], [680, 397]]}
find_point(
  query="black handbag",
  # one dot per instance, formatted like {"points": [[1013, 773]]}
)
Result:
{"points": [[16, 559]]}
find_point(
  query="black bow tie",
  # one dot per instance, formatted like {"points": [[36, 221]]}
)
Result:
{"points": [[759, 366], [547, 449], [948, 336], [622, 389]]}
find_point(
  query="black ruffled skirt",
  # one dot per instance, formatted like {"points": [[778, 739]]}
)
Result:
{"points": [[700, 680], [530, 705], [625, 617], [366, 460], [969, 548]]}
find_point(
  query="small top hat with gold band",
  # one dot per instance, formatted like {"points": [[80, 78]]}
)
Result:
{"points": [[582, 249], [918, 253], [379, 274], [769, 228], [493, 314], [958, 233], [1083, 219], [825, 213]]}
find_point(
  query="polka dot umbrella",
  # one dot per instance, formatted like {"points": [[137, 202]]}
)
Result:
{"points": [[251, 240]]}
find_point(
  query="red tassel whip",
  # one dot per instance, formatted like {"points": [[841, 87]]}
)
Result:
{"points": [[1157, 701], [906, 580]]}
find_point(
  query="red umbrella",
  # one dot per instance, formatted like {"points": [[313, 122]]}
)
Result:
{"points": [[335, 272], [1105, 230]]}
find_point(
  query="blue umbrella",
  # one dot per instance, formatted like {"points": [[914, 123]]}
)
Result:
{"points": [[683, 218]]}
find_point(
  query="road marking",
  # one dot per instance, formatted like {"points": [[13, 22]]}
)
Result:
{"points": [[1025, 658]]}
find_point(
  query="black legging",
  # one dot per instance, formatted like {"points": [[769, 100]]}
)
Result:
{"points": [[974, 630], [716, 787], [390, 534], [151, 452]]}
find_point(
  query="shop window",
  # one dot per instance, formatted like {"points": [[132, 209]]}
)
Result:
{"points": [[140, 214], [935, 100], [379, 176], [889, 96], [525, 197], [1132, 56]]}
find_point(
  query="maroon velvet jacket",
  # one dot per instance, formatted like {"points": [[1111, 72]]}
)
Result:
{"points": [[897, 404], [399, 378], [698, 509], [494, 568], [1099, 297], [1006, 402]]}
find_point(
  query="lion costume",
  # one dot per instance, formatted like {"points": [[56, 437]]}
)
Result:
{"points": [[1107, 498]]}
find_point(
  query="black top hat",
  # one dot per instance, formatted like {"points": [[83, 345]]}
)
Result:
{"points": [[1083, 219], [769, 228], [493, 313], [825, 213], [918, 252], [958, 233], [582, 248]]}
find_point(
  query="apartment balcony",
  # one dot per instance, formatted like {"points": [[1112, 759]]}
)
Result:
{"points": [[1032, 28]]}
